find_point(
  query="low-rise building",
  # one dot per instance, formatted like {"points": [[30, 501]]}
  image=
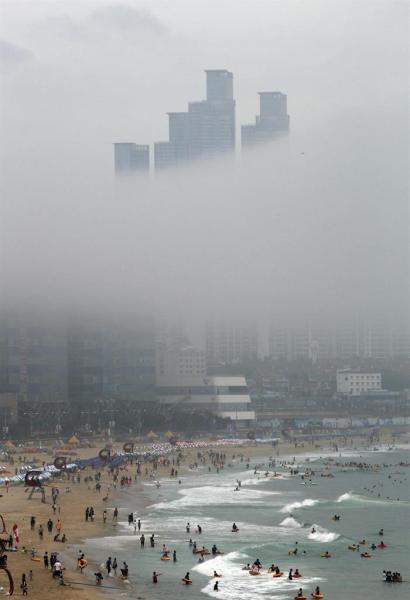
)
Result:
{"points": [[353, 383], [181, 380]]}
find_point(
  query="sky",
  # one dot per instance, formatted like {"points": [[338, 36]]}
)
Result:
{"points": [[314, 224]]}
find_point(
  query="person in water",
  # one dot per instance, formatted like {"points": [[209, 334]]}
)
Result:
{"points": [[216, 588], [317, 590], [234, 527], [187, 577], [300, 593], [216, 574], [155, 577], [296, 573], [290, 577]]}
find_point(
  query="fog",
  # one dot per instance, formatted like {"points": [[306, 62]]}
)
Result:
{"points": [[312, 224]]}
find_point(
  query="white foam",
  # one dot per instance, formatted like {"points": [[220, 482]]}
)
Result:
{"points": [[214, 495], [344, 497], [288, 508], [290, 522], [236, 583], [322, 535]]}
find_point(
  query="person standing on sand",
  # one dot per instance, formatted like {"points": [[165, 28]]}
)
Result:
{"points": [[40, 532], [139, 524], [108, 565], [23, 585], [115, 565], [32, 522], [50, 526], [87, 513], [45, 560], [142, 540], [58, 525]]}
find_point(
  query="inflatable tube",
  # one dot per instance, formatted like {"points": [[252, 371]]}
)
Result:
{"points": [[277, 574], [352, 547], [317, 596], [165, 558], [219, 552], [128, 447], [254, 573], [365, 555], [186, 581], [326, 556], [36, 559], [235, 530], [300, 598], [199, 551], [104, 454], [60, 462], [381, 546], [297, 576]]}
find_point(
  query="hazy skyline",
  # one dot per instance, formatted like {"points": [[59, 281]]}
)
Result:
{"points": [[313, 224]]}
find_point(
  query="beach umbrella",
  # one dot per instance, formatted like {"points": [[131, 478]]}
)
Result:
{"points": [[73, 440], [9, 444], [169, 434], [152, 435]]}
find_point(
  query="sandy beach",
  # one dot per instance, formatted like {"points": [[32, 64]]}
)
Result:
{"points": [[73, 498]]}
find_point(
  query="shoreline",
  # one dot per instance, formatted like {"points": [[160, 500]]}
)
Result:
{"points": [[74, 497]]}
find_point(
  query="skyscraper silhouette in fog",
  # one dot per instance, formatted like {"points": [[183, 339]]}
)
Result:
{"points": [[206, 129]]}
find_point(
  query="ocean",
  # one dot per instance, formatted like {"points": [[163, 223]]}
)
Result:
{"points": [[274, 515]]}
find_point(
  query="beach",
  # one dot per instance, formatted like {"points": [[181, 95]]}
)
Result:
{"points": [[163, 508]]}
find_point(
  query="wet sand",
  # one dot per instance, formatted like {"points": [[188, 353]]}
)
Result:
{"points": [[73, 499]]}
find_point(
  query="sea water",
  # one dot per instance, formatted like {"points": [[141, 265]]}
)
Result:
{"points": [[274, 515]]}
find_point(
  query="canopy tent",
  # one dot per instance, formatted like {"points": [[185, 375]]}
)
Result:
{"points": [[152, 435], [73, 440]]}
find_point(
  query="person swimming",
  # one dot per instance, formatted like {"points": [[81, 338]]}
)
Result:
{"points": [[234, 527], [216, 574]]}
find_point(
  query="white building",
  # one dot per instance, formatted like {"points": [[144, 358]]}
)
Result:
{"points": [[181, 380], [354, 383]]}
